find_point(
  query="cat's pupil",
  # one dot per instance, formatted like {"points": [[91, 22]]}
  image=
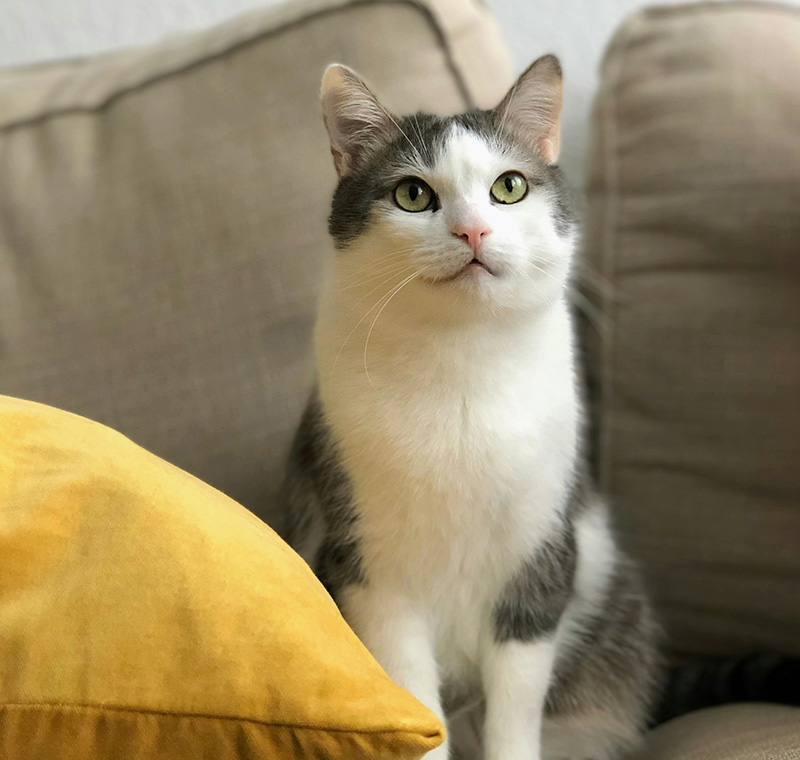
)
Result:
{"points": [[413, 192], [509, 184]]}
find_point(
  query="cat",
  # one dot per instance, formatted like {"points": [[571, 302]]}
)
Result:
{"points": [[437, 484]]}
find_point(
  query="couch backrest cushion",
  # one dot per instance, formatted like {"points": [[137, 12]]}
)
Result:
{"points": [[163, 219], [694, 221]]}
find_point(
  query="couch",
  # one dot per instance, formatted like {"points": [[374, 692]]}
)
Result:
{"points": [[163, 234]]}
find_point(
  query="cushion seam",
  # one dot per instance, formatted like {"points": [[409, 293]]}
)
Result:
{"points": [[611, 217], [438, 30], [700, 8], [67, 707]]}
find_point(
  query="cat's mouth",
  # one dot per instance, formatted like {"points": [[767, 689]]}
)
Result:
{"points": [[473, 268]]}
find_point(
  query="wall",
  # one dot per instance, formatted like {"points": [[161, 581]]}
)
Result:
{"points": [[577, 30]]}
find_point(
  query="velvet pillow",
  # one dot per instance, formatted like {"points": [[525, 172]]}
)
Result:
{"points": [[145, 615]]}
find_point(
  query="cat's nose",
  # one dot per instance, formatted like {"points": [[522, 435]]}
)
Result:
{"points": [[472, 234]]}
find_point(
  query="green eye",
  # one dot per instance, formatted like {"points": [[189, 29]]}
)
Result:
{"points": [[510, 187], [413, 195]]}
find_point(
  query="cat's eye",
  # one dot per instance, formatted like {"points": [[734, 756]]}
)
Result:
{"points": [[413, 195], [510, 187]]}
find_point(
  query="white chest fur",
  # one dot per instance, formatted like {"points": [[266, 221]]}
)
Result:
{"points": [[459, 445]]}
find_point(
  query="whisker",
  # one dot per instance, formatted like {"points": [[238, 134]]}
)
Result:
{"points": [[601, 322], [397, 289], [538, 288], [397, 265], [408, 139], [367, 281], [419, 134], [350, 334], [374, 266], [543, 271], [582, 271], [383, 282], [591, 277], [393, 253], [506, 110]]}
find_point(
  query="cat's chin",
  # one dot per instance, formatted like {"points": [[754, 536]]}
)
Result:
{"points": [[474, 270]]}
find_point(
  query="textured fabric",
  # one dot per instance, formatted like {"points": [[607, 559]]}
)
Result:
{"points": [[734, 732], [145, 615], [693, 223], [163, 219]]}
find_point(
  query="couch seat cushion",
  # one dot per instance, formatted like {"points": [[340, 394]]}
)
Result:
{"points": [[733, 732]]}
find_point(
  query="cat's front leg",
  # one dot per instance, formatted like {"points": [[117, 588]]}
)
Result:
{"points": [[518, 656], [400, 639], [516, 675]]}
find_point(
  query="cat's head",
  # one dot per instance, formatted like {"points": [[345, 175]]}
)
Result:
{"points": [[464, 211]]}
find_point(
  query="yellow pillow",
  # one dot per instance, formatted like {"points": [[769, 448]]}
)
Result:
{"points": [[145, 615]]}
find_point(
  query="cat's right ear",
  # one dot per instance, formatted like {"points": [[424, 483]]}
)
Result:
{"points": [[357, 123]]}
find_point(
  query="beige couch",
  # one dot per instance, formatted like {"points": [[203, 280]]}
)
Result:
{"points": [[162, 233]]}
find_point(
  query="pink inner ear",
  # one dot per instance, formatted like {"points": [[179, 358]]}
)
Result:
{"points": [[549, 149], [533, 106], [337, 160], [340, 161]]}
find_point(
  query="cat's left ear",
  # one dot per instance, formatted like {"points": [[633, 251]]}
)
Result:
{"points": [[532, 108], [357, 123]]}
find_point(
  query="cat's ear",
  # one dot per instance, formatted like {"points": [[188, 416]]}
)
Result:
{"points": [[532, 108], [356, 122]]}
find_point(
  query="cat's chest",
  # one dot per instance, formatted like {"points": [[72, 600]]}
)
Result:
{"points": [[448, 435], [452, 495], [470, 416], [455, 460], [459, 452]]}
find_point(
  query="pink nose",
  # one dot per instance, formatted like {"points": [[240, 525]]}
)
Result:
{"points": [[472, 234]]}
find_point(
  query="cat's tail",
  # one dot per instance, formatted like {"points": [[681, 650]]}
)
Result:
{"points": [[707, 682]]}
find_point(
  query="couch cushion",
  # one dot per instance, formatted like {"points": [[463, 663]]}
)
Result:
{"points": [[693, 198], [733, 732], [145, 616], [163, 219]]}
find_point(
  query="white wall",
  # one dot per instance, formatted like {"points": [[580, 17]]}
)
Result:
{"points": [[577, 30]]}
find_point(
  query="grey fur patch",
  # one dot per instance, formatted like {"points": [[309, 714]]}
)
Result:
{"points": [[421, 144], [534, 600], [563, 214], [613, 666], [357, 192], [317, 495]]}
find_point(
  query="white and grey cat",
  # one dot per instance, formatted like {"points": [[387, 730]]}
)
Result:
{"points": [[437, 483]]}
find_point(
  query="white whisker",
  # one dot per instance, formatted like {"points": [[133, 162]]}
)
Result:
{"points": [[392, 276], [543, 271], [506, 110], [538, 288], [601, 322], [587, 274], [408, 139], [350, 334], [396, 266], [397, 289]]}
